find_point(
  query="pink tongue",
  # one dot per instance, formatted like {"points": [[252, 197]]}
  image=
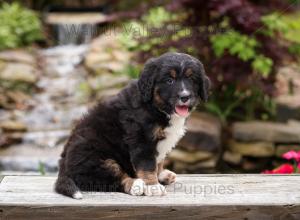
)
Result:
{"points": [[182, 110]]}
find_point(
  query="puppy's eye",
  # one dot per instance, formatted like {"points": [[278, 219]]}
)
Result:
{"points": [[170, 81]]}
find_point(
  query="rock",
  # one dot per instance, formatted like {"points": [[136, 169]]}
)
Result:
{"points": [[232, 158], [20, 99], [28, 158], [4, 102], [106, 55], [13, 126], [204, 166], [281, 149], [44, 139], [103, 94], [105, 43], [203, 133], [106, 67], [288, 80], [96, 58], [8, 139], [4, 115], [2, 65], [253, 149], [288, 107], [3, 140], [18, 56], [107, 81], [50, 117], [189, 157], [19, 72], [293, 123], [288, 89], [75, 18], [121, 55], [255, 165], [266, 131], [14, 99]]}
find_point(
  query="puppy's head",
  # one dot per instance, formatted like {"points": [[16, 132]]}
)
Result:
{"points": [[174, 83]]}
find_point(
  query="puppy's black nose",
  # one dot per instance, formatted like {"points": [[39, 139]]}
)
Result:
{"points": [[185, 98]]}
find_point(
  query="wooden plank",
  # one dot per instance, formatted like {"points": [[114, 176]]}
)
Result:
{"points": [[192, 197]]}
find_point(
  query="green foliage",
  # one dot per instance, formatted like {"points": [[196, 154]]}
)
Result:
{"points": [[237, 101], [129, 37], [262, 65], [223, 114], [232, 104], [41, 168], [293, 22], [294, 1], [135, 31], [237, 44], [16, 86], [238, 104], [295, 49], [84, 91], [274, 24], [18, 27], [157, 17], [132, 71], [244, 47]]}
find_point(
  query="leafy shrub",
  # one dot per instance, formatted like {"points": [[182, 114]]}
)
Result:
{"points": [[236, 43], [274, 24], [135, 31], [132, 71], [244, 47], [241, 43], [295, 49], [293, 22], [18, 27]]}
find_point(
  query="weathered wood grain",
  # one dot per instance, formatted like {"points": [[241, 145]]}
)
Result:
{"points": [[192, 197]]}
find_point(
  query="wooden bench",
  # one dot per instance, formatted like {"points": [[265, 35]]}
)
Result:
{"points": [[256, 197]]}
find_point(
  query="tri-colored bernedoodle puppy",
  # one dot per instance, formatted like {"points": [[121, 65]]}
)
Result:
{"points": [[121, 144]]}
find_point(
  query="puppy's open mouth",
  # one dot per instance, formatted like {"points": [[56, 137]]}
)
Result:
{"points": [[182, 110]]}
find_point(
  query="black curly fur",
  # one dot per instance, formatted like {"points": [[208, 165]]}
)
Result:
{"points": [[121, 128]]}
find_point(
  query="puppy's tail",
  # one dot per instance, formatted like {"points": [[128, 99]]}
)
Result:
{"points": [[66, 186]]}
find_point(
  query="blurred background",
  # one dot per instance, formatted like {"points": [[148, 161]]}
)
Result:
{"points": [[57, 58]]}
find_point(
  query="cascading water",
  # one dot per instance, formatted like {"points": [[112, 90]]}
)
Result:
{"points": [[75, 33], [61, 79], [62, 74]]}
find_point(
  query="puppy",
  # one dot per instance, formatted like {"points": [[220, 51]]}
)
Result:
{"points": [[121, 144]]}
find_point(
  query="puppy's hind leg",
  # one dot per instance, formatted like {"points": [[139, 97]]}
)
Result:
{"points": [[130, 185]]}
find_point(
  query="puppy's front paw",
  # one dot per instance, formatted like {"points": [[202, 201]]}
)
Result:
{"points": [[167, 177], [155, 190], [137, 188]]}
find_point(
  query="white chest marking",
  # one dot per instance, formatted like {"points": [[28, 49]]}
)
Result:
{"points": [[173, 134]]}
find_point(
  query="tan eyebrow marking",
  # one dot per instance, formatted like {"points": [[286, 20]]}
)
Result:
{"points": [[173, 73], [188, 72]]}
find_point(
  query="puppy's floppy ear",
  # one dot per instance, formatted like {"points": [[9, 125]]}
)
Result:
{"points": [[146, 80], [205, 85], [204, 88]]}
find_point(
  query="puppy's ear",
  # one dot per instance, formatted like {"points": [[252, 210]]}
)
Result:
{"points": [[205, 85], [147, 80], [204, 88]]}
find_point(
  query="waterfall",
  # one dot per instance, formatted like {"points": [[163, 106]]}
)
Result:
{"points": [[75, 33]]}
